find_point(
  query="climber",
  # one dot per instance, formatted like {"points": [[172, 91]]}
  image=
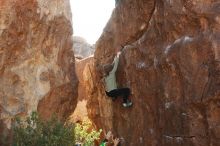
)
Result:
{"points": [[111, 85], [109, 139]]}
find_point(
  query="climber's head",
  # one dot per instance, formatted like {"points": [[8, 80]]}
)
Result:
{"points": [[107, 68]]}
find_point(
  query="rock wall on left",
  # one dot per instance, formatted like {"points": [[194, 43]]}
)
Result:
{"points": [[37, 69]]}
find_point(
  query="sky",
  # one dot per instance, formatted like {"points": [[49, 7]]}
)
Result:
{"points": [[90, 17]]}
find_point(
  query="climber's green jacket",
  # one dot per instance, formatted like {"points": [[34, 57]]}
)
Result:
{"points": [[110, 80], [104, 142]]}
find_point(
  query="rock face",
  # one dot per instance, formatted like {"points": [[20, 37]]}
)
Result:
{"points": [[171, 62], [82, 49], [84, 75], [36, 59]]}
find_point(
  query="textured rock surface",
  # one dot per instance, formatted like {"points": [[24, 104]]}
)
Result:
{"points": [[82, 49], [36, 58], [84, 74], [171, 62]]}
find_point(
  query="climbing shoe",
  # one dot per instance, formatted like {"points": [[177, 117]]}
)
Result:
{"points": [[127, 104]]}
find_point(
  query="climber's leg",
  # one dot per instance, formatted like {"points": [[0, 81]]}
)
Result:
{"points": [[113, 94], [124, 92]]}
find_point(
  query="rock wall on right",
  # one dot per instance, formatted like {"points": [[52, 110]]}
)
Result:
{"points": [[171, 62]]}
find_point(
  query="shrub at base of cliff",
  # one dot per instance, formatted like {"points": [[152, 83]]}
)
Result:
{"points": [[35, 132], [85, 134]]}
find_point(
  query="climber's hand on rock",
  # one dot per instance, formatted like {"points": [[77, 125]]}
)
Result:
{"points": [[119, 53]]}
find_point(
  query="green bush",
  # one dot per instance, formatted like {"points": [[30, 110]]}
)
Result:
{"points": [[35, 132], [85, 134]]}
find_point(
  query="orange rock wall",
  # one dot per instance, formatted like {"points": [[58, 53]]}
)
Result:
{"points": [[83, 73], [36, 59], [171, 62]]}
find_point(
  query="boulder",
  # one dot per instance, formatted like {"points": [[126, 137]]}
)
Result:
{"points": [[37, 69], [171, 62]]}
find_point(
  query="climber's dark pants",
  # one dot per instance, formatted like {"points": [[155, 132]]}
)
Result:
{"points": [[124, 92]]}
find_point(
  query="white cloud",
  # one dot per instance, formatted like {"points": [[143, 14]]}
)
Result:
{"points": [[90, 17]]}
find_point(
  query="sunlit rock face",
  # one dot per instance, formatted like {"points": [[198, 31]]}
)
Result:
{"points": [[81, 48], [84, 73], [36, 59], [171, 62]]}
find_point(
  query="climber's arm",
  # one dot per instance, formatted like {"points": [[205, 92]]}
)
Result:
{"points": [[115, 62]]}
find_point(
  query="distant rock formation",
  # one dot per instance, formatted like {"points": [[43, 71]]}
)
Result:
{"points": [[171, 62], [36, 59], [81, 48]]}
